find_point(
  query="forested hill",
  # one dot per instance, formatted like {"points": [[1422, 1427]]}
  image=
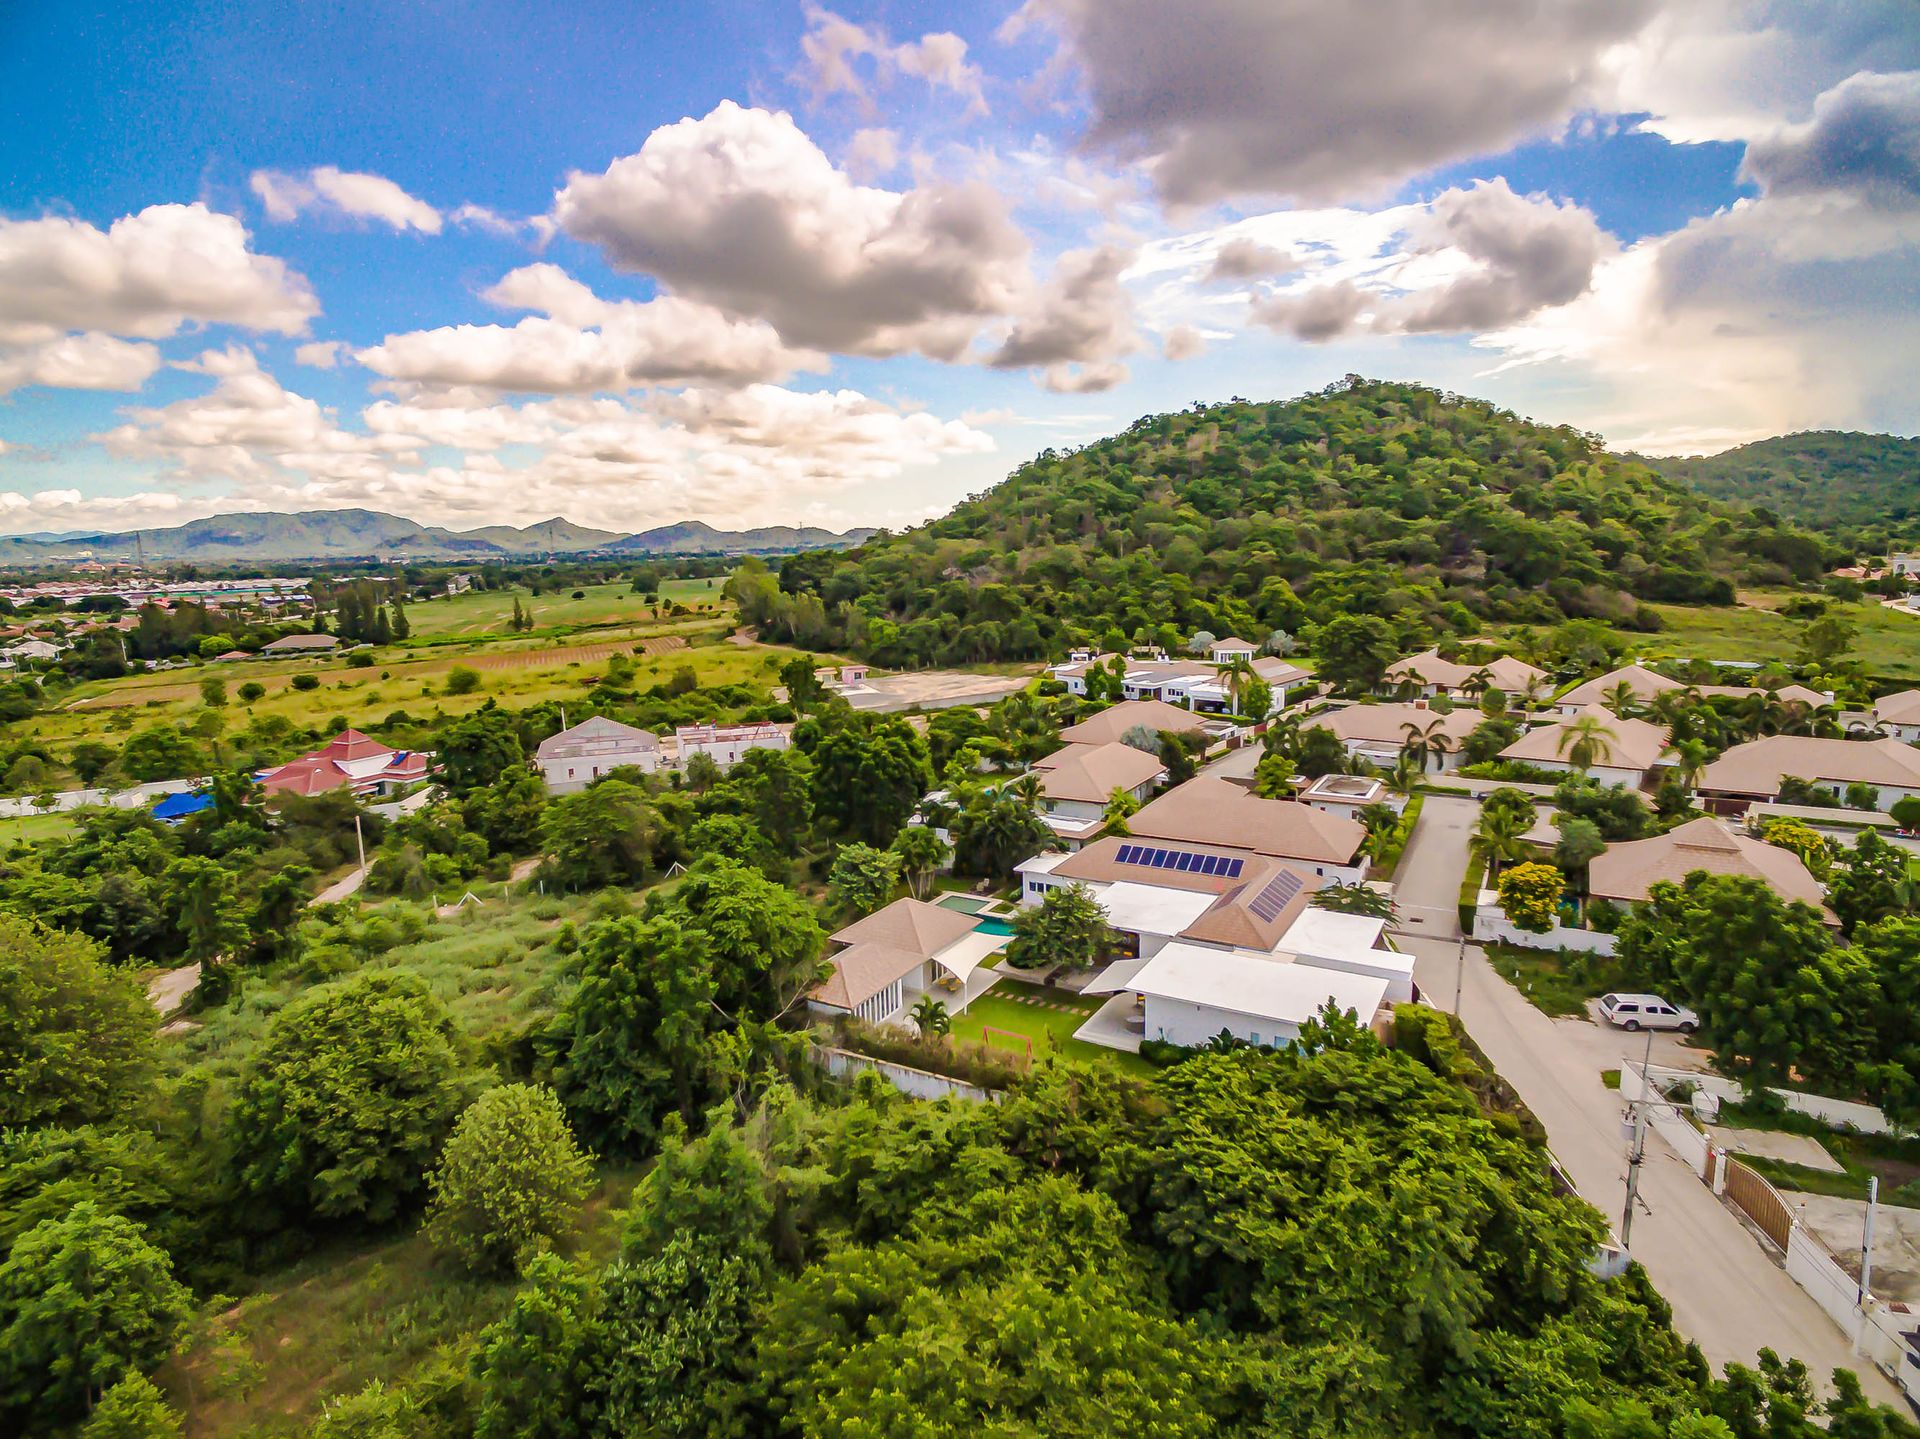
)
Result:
{"points": [[1819, 477], [1434, 511]]}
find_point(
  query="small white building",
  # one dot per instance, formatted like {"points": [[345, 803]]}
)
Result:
{"points": [[1899, 715], [576, 757], [1347, 794], [1227, 651], [725, 744], [21, 650], [1193, 992]]}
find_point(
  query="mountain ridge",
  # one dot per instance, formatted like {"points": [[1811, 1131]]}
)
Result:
{"points": [[1822, 477], [254, 536]]}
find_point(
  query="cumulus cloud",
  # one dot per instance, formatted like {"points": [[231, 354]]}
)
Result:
{"points": [[872, 153], [1863, 139], [319, 354], [738, 455], [833, 47], [578, 343], [1085, 314], [1244, 258], [90, 361], [145, 276], [741, 210], [1473, 259], [343, 192], [1083, 379], [1314, 101], [1183, 342]]}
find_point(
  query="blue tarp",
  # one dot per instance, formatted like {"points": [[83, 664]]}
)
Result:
{"points": [[180, 806]]}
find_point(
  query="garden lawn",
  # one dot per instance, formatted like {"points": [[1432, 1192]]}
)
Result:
{"points": [[1046, 1018], [33, 828], [1556, 982]]}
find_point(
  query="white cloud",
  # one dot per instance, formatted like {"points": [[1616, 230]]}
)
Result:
{"points": [[343, 192], [833, 47], [580, 343], [741, 210], [872, 153], [1084, 315], [479, 217], [1219, 98], [89, 361], [319, 354], [146, 276]]}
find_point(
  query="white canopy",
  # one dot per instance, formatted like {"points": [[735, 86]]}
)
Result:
{"points": [[969, 952], [1115, 977]]}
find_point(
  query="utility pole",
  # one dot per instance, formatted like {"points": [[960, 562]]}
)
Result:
{"points": [[1636, 1147], [1459, 974], [1866, 1242], [360, 840]]}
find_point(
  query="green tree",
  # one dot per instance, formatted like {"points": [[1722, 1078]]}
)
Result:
{"points": [[997, 828], [132, 1409], [869, 778], [473, 751], [1580, 844], [604, 835], [463, 680], [1584, 741], [1067, 928], [510, 1182], [541, 1369], [1826, 639], [213, 692], [207, 908], [1362, 899], [630, 1045], [506, 813], [1354, 651], [920, 852], [159, 752], [1421, 742], [83, 1299], [1869, 882], [862, 878], [930, 1017], [1801, 840], [89, 760], [1320, 752], [76, 1038], [1121, 806], [348, 1099], [804, 690], [1273, 776], [1906, 812], [1500, 833], [252, 692], [1530, 896]]}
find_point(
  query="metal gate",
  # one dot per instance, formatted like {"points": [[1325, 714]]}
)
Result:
{"points": [[1759, 1201]]}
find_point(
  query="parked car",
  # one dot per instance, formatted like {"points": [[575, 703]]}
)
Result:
{"points": [[1647, 1011]]}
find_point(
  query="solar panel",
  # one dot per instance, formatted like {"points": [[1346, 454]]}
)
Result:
{"points": [[1234, 866], [1127, 852], [1180, 861], [1277, 894], [1184, 862]]}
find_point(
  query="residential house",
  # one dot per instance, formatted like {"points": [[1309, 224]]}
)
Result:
{"points": [[1904, 565], [574, 758], [1078, 782], [842, 677], [459, 584], [1208, 810], [1625, 873], [1347, 794], [1647, 684], [1899, 715], [1231, 649], [1627, 751], [31, 649], [725, 744], [1433, 675], [1190, 994], [885, 962], [350, 759], [1753, 771], [1378, 733], [294, 646], [1117, 721]]}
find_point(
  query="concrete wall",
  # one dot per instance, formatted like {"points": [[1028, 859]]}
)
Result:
{"points": [[918, 1083], [573, 774], [1490, 924], [1842, 1113], [1181, 1022]]}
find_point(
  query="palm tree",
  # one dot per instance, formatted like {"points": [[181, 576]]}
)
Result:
{"points": [[930, 1017], [1501, 834], [1689, 759], [1621, 698], [1120, 804], [1354, 899], [1477, 682], [1421, 742], [1404, 778], [1382, 823], [1584, 741]]}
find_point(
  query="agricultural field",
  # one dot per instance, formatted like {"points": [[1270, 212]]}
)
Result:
{"points": [[480, 613]]}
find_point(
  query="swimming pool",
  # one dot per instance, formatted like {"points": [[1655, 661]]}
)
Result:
{"points": [[968, 905], [993, 926]]}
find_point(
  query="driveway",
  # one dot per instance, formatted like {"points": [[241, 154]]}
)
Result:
{"points": [[1727, 1293]]}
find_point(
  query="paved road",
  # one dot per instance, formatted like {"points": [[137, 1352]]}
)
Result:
{"points": [[1727, 1293]]}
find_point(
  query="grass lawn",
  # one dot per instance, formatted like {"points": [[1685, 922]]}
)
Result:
{"points": [[1043, 1017], [1893, 1160], [344, 1317], [1555, 982], [33, 828], [486, 612], [1886, 642]]}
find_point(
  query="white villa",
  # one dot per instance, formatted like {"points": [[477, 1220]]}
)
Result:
{"points": [[1201, 685], [1378, 733], [1078, 782], [1628, 750], [885, 962], [1432, 675], [1753, 771], [576, 757], [725, 744]]}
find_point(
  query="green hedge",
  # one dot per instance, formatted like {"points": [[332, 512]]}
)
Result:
{"points": [[1470, 891]]}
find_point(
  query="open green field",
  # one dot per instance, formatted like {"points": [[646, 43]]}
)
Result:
{"points": [[1045, 1018], [487, 612], [33, 828], [1886, 642]]}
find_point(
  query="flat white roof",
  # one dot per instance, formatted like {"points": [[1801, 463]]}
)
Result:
{"points": [[1149, 909], [1255, 985], [1328, 932], [1046, 862]]}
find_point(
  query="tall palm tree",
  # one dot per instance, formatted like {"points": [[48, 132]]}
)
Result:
{"points": [[1689, 759], [930, 1017], [1621, 698], [1501, 835], [1477, 682], [1404, 778], [1421, 742], [1585, 741]]}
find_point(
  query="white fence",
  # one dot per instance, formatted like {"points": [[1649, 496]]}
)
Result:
{"points": [[917, 1083], [1490, 923], [1841, 1113], [18, 807], [1681, 1137]]}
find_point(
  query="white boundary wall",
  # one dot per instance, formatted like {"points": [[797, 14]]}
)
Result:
{"points": [[917, 1083], [1841, 1113], [1490, 922]]}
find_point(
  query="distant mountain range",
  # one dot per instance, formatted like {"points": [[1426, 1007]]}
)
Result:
{"points": [[1818, 477], [369, 534]]}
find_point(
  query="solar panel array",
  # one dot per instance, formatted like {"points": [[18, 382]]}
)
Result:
{"points": [[1181, 861], [1276, 896]]}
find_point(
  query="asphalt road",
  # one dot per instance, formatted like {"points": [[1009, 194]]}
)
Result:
{"points": [[1727, 1293]]}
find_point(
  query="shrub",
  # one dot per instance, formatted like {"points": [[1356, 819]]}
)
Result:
{"points": [[132, 1409], [252, 691], [306, 682], [76, 1038], [462, 680], [971, 1063], [360, 660], [510, 1182]]}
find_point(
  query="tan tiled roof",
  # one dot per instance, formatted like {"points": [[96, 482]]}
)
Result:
{"points": [[1901, 708], [1626, 872], [1758, 766], [1214, 811], [1505, 673], [1377, 724], [1241, 919], [1647, 683], [887, 945], [1628, 743], [1112, 724], [591, 735], [1276, 671], [1092, 772]]}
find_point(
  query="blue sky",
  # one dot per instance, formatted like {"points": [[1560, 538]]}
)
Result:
{"points": [[755, 263]]}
